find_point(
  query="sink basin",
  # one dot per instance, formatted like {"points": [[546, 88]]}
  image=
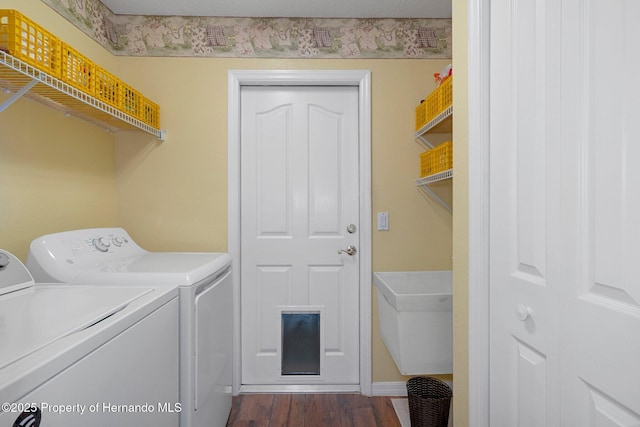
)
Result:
{"points": [[416, 290], [416, 322]]}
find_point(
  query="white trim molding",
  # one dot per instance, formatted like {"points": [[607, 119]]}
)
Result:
{"points": [[394, 388], [478, 280], [389, 388], [360, 79]]}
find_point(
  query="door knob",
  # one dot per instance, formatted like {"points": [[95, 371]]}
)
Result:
{"points": [[351, 250], [523, 312]]}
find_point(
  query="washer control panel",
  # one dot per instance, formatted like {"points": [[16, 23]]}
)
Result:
{"points": [[59, 257], [96, 245], [107, 243]]}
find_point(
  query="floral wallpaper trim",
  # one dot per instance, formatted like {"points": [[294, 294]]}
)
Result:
{"points": [[221, 37]]}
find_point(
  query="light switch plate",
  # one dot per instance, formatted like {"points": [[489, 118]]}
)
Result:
{"points": [[383, 221]]}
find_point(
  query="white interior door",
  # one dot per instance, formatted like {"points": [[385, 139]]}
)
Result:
{"points": [[299, 194], [565, 204]]}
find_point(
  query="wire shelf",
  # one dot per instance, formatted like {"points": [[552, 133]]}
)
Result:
{"points": [[17, 75], [442, 123]]}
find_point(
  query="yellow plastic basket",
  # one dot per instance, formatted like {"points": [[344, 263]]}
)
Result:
{"points": [[107, 87], [77, 70], [130, 101], [25, 40], [432, 105], [428, 109], [438, 159], [437, 101], [29, 42], [421, 117], [446, 93], [150, 113]]}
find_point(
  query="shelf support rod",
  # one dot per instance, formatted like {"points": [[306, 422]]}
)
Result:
{"points": [[420, 134], [426, 141], [435, 196], [18, 95]]}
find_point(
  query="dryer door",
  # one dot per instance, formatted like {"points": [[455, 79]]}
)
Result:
{"points": [[213, 334]]}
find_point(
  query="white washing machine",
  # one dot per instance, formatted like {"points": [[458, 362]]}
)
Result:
{"points": [[80, 355], [108, 255]]}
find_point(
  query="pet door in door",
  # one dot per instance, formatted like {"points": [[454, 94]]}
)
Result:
{"points": [[301, 343]]}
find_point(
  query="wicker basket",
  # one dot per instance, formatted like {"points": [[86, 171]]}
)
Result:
{"points": [[429, 402]]}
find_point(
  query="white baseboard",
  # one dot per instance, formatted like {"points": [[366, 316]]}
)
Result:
{"points": [[393, 388], [286, 388], [390, 388]]}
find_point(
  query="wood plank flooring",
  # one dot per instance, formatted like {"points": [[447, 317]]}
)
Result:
{"points": [[312, 410]]}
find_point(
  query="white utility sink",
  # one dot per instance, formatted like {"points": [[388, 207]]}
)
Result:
{"points": [[416, 322]]}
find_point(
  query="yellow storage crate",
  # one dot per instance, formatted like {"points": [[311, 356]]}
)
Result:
{"points": [[428, 109], [432, 105], [150, 113], [29, 42], [438, 159], [77, 70], [437, 101], [421, 115], [107, 87], [130, 101], [446, 93]]}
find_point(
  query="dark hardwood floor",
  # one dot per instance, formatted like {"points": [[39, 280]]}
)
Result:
{"points": [[312, 410]]}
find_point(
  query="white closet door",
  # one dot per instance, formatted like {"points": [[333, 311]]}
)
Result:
{"points": [[565, 205]]}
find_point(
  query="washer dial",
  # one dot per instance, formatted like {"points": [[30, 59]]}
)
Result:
{"points": [[102, 244]]}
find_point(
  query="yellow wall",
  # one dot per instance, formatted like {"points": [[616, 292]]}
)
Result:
{"points": [[173, 195], [461, 218], [56, 173]]}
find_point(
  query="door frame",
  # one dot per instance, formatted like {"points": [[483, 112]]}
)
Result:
{"points": [[361, 79], [478, 36]]}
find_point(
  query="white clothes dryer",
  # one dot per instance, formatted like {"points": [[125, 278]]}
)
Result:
{"points": [[108, 255], [79, 355]]}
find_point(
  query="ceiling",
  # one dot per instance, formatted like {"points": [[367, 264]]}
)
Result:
{"points": [[285, 8]]}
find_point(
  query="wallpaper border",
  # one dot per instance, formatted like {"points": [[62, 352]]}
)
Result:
{"points": [[223, 37]]}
